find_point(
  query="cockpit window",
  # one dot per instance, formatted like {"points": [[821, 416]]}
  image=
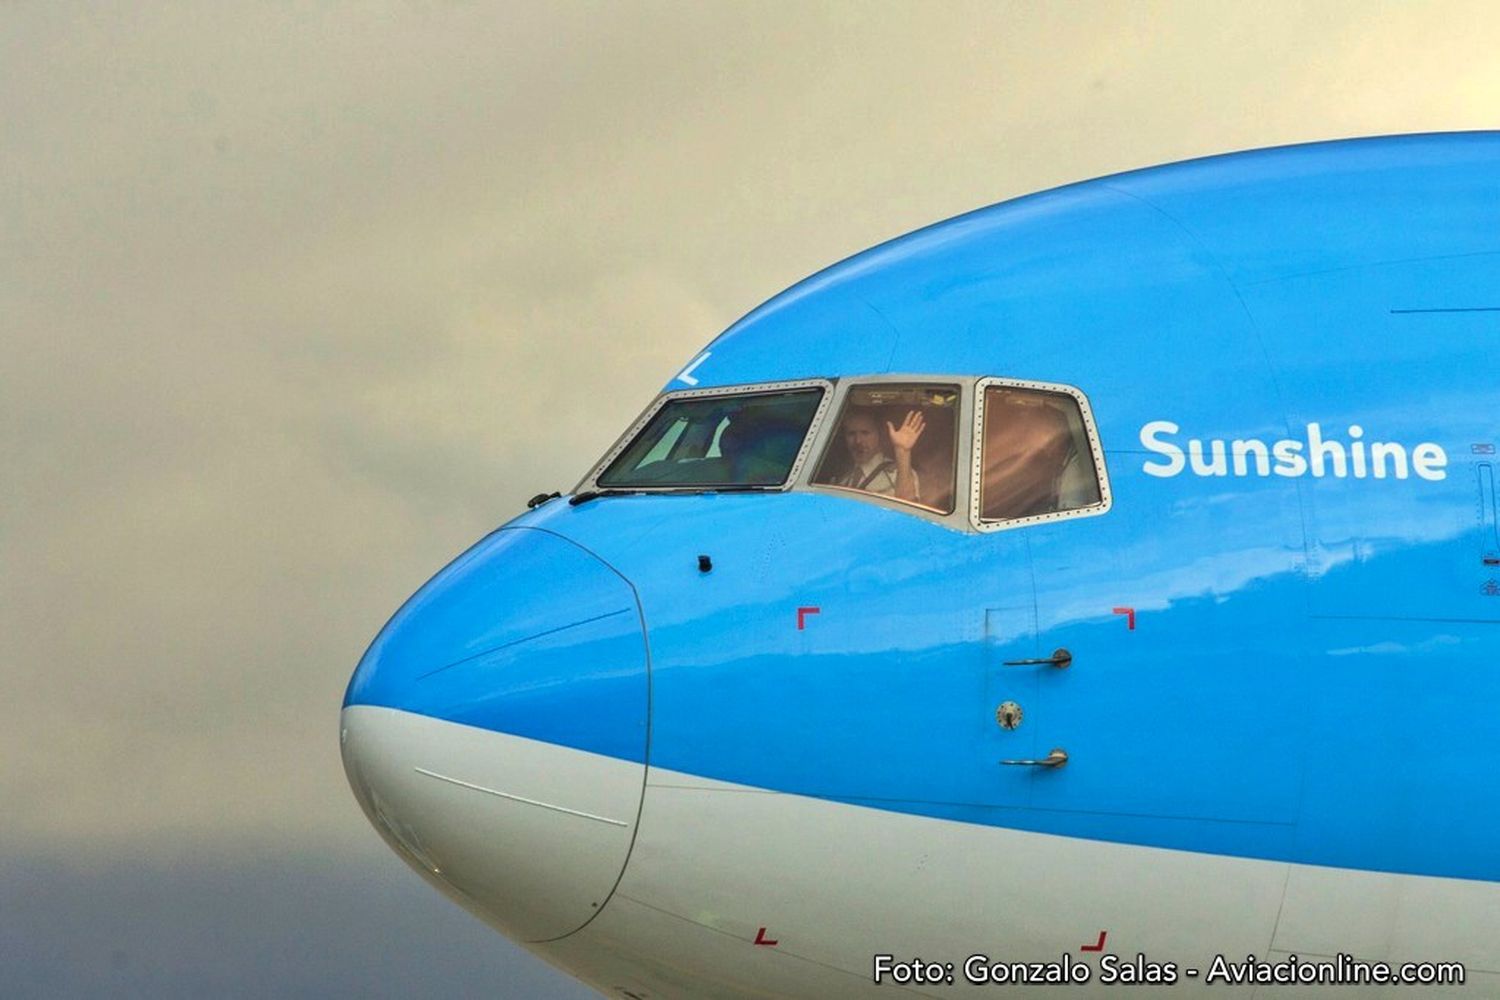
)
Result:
{"points": [[748, 439], [896, 441], [1036, 457]]}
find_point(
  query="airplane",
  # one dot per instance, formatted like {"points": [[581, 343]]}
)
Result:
{"points": [[1098, 588]]}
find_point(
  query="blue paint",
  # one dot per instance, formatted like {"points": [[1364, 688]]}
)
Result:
{"points": [[526, 633], [1313, 673]]}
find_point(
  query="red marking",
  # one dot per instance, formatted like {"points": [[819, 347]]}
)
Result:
{"points": [[1129, 614], [760, 938], [1097, 945], [802, 614]]}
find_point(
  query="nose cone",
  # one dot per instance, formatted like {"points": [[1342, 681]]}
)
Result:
{"points": [[495, 732]]}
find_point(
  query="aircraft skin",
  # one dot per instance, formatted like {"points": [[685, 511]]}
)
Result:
{"points": [[1281, 711]]}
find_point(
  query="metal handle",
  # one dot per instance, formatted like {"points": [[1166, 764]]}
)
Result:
{"points": [[1057, 758], [1060, 659]]}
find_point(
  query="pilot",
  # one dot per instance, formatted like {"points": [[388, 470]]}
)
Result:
{"points": [[1029, 463], [872, 469]]}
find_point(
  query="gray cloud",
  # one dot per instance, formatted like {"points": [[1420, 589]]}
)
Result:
{"points": [[300, 925]]}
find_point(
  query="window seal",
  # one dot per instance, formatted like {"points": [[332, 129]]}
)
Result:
{"points": [[1106, 498], [591, 480]]}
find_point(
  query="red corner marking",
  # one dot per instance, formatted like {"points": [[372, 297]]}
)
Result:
{"points": [[802, 614], [1096, 946], [760, 938], [1129, 614]]}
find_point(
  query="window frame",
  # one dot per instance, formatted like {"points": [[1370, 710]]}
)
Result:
{"points": [[958, 517], [793, 476], [976, 427]]}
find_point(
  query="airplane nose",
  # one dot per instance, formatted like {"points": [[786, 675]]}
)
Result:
{"points": [[495, 731]]}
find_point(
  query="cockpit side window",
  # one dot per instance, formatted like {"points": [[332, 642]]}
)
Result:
{"points": [[896, 440], [749, 439], [1037, 456]]}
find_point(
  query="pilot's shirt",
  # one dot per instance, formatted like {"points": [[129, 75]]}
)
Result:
{"points": [[878, 475]]}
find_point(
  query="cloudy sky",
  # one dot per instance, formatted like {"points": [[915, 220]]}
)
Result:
{"points": [[298, 299]]}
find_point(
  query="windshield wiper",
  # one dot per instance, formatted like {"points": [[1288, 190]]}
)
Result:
{"points": [[587, 495]]}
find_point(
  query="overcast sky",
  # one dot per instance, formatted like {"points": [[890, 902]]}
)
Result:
{"points": [[299, 299]]}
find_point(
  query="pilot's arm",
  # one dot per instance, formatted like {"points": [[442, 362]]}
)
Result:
{"points": [[903, 440]]}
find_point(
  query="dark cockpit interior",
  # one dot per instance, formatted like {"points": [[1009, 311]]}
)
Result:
{"points": [[896, 441]]}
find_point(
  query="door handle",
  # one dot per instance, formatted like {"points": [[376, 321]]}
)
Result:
{"points": [[1060, 659], [1056, 758]]}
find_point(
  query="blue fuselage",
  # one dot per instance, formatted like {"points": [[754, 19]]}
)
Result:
{"points": [[1268, 659]]}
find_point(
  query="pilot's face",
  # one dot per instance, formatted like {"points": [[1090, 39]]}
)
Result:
{"points": [[861, 437]]}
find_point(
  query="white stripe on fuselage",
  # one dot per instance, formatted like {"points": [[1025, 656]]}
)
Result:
{"points": [[714, 866], [835, 884]]}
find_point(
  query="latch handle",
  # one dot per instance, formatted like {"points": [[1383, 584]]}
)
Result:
{"points": [[1057, 758], [1060, 659]]}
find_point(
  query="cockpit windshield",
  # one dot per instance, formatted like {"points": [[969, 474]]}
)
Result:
{"points": [[896, 440], [748, 439]]}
